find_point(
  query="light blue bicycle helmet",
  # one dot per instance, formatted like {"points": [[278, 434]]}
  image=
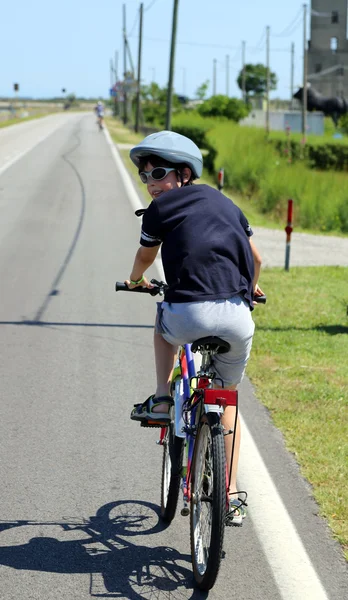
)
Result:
{"points": [[171, 146]]}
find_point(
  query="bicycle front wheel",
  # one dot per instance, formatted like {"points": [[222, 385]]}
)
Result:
{"points": [[208, 501], [173, 448]]}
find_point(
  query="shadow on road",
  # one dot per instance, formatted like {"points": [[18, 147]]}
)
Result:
{"points": [[117, 566], [73, 324]]}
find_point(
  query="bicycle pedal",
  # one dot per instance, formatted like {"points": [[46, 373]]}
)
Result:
{"points": [[229, 523]]}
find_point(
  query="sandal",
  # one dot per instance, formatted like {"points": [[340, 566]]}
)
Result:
{"points": [[236, 513], [144, 412]]}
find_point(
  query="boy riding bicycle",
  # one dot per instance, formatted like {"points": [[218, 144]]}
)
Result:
{"points": [[211, 267]]}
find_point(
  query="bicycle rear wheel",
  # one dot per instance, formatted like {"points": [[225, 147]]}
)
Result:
{"points": [[208, 501], [173, 448]]}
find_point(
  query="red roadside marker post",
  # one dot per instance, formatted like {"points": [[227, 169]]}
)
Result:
{"points": [[288, 230], [220, 179]]}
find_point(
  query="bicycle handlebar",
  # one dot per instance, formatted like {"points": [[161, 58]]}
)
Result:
{"points": [[159, 288]]}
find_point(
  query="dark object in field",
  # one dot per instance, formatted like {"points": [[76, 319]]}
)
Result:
{"points": [[333, 107]]}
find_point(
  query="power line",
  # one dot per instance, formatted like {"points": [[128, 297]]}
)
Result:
{"points": [[291, 27], [204, 45], [199, 44], [261, 40], [134, 24], [150, 5]]}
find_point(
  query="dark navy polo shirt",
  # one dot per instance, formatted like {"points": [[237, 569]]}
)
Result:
{"points": [[206, 251]]}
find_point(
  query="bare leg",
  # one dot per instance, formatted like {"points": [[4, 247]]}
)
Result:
{"points": [[165, 356], [228, 423]]}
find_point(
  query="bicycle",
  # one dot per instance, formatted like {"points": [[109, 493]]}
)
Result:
{"points": [[194, 450], [100, 122]]}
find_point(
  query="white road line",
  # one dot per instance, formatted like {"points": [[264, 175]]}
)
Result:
{"points": [[290, 563], [292, 568], [128, 183]]}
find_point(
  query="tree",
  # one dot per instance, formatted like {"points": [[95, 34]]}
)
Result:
{"points": [[154, 102], [70, 101], [223, 106], [256, 80], [201, 91]]}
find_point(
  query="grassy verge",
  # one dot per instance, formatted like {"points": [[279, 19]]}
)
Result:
{"points": [[299, 369], [254, 169], [22, 120], [250, 206]]}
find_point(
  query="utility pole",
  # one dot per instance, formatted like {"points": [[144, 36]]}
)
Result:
{"points": [[139, 69], [268, 81], [304, 85], [125, 116], [116, 66], [130, 59], [214, 77], [184, 81], [243, 73], [117, 91], [227, 75], [111, 74], [292, 76], [171, 67]]}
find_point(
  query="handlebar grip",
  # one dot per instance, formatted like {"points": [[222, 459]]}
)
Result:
{"points": [[123, 287], [260, 299]]}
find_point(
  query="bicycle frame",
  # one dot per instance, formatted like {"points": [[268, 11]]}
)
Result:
{"points": [[188, 400]]}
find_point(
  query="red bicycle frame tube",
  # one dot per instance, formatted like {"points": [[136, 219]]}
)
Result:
{"points": [[218, 397]]}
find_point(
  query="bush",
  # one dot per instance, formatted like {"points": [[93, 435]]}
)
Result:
{"points": [[225, 107], [318, 154], [343, 123], [195, 127]]}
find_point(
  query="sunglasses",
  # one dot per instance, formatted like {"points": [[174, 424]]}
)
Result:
{"points": [[158, 173]]}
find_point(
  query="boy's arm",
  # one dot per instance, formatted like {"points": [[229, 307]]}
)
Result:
{"points": [[257, 265], [143, 260]]}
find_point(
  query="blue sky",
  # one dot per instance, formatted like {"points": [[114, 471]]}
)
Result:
{"points": [[46, 46]]}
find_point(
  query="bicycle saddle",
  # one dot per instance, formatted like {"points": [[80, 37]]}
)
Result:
{"points": [[211, 342]]}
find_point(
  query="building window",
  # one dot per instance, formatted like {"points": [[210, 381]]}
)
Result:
{"points": [[318, 68], [334, 16], [334, 45]]}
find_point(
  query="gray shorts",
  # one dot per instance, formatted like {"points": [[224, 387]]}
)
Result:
{"points": [[185, 322]]}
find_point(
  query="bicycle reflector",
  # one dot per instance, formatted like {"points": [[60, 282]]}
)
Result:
{"points": [[221, 397]]}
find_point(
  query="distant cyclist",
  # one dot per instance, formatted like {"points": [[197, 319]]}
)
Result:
{"points": [[99, 110]]}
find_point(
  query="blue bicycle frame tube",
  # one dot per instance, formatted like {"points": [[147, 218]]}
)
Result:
{"points": [[191, 372]]}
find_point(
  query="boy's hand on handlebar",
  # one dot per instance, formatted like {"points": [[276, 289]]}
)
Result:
{"points": [[257, 292], [144, 283]]}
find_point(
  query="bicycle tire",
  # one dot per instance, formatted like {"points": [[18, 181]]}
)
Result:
{"points": [[173, 448], [208, 501]]}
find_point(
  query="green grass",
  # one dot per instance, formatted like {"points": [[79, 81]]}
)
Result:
{"points": [[121, 134], [299, 369], [17, 120], [254, 170]]}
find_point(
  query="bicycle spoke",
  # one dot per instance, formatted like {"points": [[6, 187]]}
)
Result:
{"points": [[208, 503]]}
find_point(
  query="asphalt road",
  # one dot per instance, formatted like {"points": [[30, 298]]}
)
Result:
{"points": [[80, 481]]}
